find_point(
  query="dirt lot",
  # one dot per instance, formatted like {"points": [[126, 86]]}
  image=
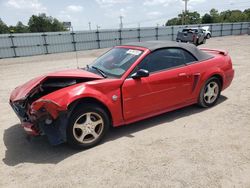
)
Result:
{"points": [[190, 147]]}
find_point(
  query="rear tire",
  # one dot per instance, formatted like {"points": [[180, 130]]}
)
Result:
{"points": [[87, 126], [204, 41], [208, 36], [210, 93]]}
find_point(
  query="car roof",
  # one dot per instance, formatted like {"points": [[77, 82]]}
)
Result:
{"points": [[160, 44], [193, 28]]}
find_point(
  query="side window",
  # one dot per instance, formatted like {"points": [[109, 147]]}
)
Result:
{"points": [[163, 59], [188, 58]]}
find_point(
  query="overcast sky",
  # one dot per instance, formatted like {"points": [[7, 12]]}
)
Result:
{"points": [[106, 12]]}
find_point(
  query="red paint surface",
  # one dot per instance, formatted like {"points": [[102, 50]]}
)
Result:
{"points": [[21, 91], [137, 98]]}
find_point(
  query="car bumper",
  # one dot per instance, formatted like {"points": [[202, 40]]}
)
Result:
{"points": [[40, 123], [30, 128], [229, 75]]}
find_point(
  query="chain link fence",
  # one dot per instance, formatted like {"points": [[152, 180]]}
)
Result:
{"points": [[27, 44]]}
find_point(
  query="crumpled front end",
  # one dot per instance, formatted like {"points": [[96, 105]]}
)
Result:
{"points": [[43, 117]]}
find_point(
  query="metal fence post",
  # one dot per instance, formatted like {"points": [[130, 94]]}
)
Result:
{"points": [[241, 27], [232, 28], [45, 44], [221, 30], [12, 44], [98, 38], [172, 33], [120, 36], [157, 33], [139, 34], [73, 40], [211, 29]]}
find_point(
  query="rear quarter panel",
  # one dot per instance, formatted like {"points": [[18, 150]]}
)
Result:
{"points": [[218, 65]]}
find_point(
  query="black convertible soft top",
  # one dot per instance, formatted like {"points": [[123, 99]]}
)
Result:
{"points": [[156, 45]]}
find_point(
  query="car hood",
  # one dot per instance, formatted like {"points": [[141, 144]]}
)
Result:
{"points": [[21, 92]]}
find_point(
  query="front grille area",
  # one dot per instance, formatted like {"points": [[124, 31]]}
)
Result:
{"points": [[19, 108]]}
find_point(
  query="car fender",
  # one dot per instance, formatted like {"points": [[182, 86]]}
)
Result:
{"points": [[66, 96], [210, 73]]}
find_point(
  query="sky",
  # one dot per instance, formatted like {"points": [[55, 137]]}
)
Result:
{"points": [[106, 13]]}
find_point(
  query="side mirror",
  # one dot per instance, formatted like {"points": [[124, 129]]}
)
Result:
{"points": [[140, 73]]}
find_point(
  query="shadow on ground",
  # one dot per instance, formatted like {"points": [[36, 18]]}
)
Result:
{"points": [[39, 151]]}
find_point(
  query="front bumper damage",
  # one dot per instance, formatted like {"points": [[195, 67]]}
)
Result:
{"points": [[43, 117]]}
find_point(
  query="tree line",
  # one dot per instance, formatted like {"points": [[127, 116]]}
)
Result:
{"points": [[36, 23], [43, 23], [214, 16]]}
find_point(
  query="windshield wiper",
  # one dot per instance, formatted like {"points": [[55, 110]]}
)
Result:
{"points": [[100, 71]]}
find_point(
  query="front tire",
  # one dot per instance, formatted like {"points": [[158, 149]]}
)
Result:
{"points": [[210, 93], [208, 36], [87, 126]]}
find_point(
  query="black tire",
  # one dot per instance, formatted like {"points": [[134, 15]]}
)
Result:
{"points": [[204, 41], [79, 112], [197, 42], [203, 100], [208, 36]]}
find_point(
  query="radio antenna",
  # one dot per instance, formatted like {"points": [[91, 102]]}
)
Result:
{"points": [[74, 42]]}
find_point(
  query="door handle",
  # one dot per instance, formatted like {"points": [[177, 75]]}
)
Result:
{"points": [[183, 74]]}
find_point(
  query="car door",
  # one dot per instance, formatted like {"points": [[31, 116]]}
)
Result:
{"points": [[168, 84]]}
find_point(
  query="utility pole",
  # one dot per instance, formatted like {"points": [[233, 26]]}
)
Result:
{"points": [[185, 12], [182, 18], [97, 27], [90, 26], [121, 23]]}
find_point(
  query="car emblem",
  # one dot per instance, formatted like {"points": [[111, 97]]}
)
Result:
{"points": [[114, 97]]}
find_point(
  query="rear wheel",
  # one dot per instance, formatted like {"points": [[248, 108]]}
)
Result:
{"points": [[210, 92], [208, 36], [204, 41], [87, 126]]}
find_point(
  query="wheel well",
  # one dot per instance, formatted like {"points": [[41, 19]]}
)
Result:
{"points": [[89, 100], [219, 77]]}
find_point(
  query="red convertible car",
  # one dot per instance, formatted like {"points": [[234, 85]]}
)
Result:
{"points": [[127, 84]]}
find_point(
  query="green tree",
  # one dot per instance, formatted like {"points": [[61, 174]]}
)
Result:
{"points": [[3, 27], [212, 17], [57, 26], [19, 28], [174, 21], [224, 16], [236, 16], [193, 18], [190, 18], [207, 18], [247, 15], [43, 23], [215, 15]]}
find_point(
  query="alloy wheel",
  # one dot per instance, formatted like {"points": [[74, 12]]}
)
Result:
{"points": [[211, 92], [88, 127]]}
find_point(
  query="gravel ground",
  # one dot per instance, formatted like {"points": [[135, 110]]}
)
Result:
{"points": [[190, 147]]}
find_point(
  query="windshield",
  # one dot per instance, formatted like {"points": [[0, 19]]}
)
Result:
{"points": [[115, 62]]}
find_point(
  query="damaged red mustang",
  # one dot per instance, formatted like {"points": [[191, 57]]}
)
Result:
{"points": [[127, 84]]}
